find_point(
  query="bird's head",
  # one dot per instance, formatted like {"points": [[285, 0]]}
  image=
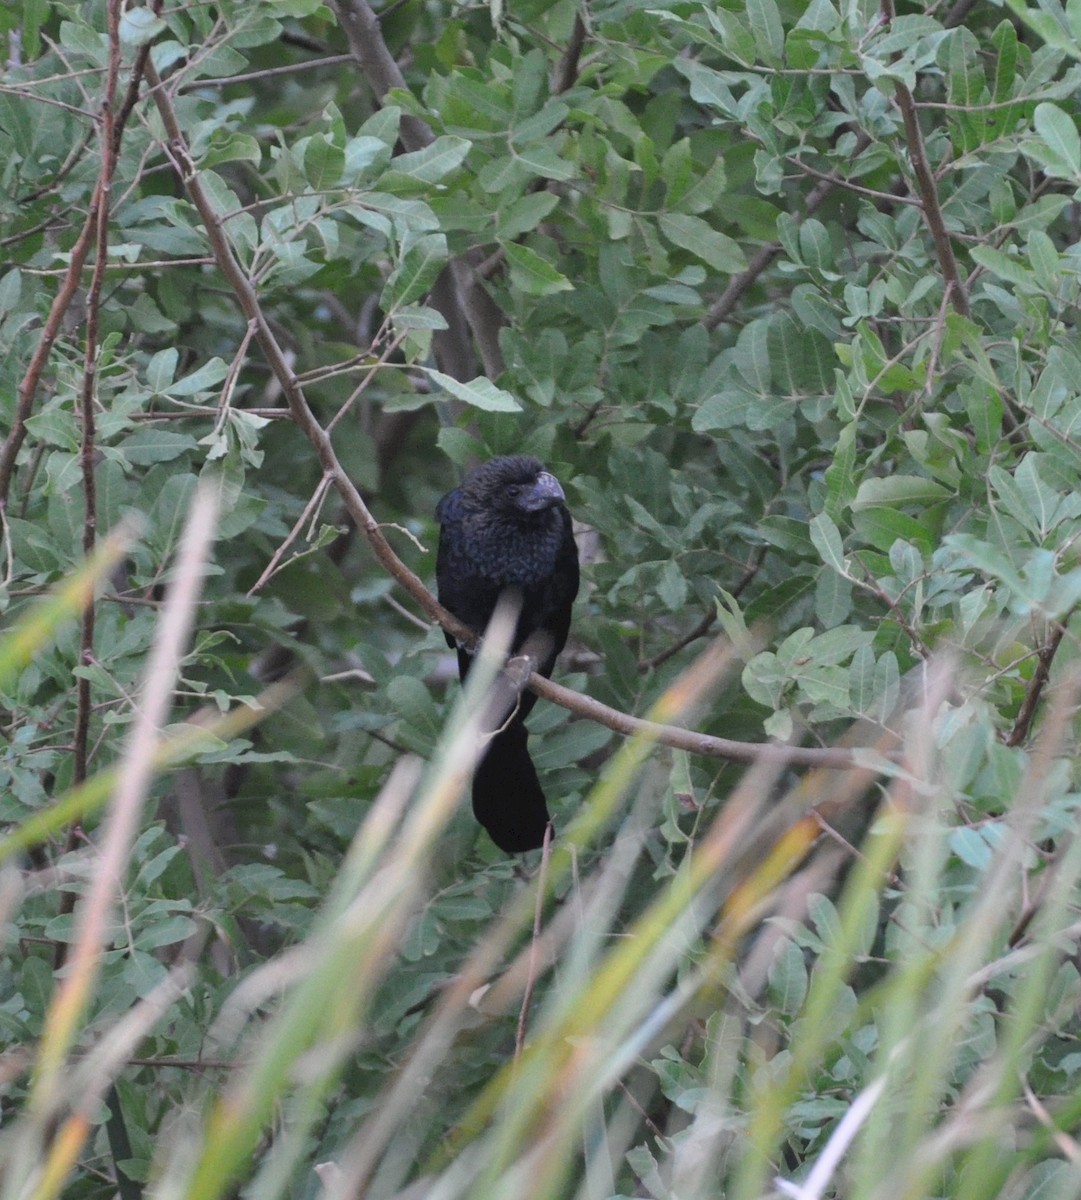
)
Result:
{"points": [[516, 486]]}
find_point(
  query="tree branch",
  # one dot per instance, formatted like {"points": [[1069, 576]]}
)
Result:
{"points": [[62, 301], [565, 75], [582, 705], [111, 124], [738, 284], [1044, 657], [457, 294], [706, 623], [28, 387], [925, 180], [365, 38], [110, 141]]}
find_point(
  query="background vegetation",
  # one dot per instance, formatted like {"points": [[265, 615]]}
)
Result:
{"points": [[786, 294]]}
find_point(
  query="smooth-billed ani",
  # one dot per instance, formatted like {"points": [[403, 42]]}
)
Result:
{"points": [[507, 529]]}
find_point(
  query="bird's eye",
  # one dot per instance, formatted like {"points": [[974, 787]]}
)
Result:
{"points": [[513, 489]]}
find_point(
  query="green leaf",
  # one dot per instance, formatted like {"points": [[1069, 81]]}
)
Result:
{"points": [[708, 86], [827, 540], [701, 239], [164, 932], [1060, 137], [801, 360], [833, 599], [414, 702], [987, 558], [1004, 40], [736, 38], [1041, 500], [147, 446], [293, 8], [540, 124], [765, 19], [324, 163], [235, 147], [431, 164], [139, 25], [702, 193], [788, 978], [524, 215], [419, 317], [10, 289], [672, 587], [1044, 259], [985, 411], [1046, 26], [162, 368], [1002, 265], [532, 274], [899, 489], [861, 679], [543, 160], [480, 393], [887, 686], [422, 261], [205, 379], [55, 427], [882, 526]]}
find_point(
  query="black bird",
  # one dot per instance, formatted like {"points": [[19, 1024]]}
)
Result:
{"points": [[507, 529]]}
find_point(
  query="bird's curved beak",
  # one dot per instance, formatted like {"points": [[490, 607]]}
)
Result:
{"points": [[545, 493]]}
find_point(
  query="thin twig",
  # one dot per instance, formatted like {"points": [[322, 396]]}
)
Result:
{"points": [[71, 999], [928, 189], [565, 75], [109, 138], [705, 744], [62, 301], [190, 1064], [739, 284], [1068, 1147], [456, 294], [28, 387], [87, 450], [848, 185], [315, 503], [1044, 657], [331, 60], [586, 706], [706, 623], [373, 370]]}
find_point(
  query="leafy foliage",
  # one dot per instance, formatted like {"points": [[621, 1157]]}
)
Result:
{"points": [[786, 295]]}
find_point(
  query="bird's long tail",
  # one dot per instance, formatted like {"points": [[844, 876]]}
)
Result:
{"points": [[507, 796]]}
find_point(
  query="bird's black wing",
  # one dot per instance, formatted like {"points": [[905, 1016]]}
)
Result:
{"points": [[547, 607], [545, 617], [462, 591]]}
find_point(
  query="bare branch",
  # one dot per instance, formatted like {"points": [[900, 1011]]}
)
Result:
{"points": [[1044, 657], [925, 180], [585, 706], [110, 141], [365, 39], [565, 74]]}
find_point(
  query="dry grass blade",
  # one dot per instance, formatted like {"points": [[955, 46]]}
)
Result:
{"points": [[331, 980], [50, 1093]]}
